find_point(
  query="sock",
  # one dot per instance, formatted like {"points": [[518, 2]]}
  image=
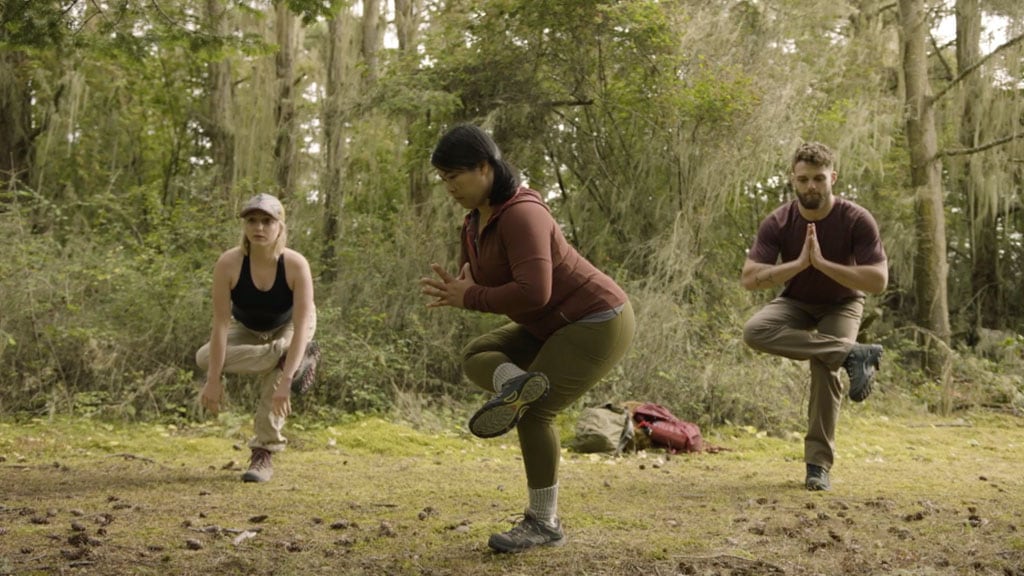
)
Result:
{"points": [[505, 372], [544, 503]]}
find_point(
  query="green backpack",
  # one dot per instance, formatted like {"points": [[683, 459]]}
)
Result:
{"points": [[605, 428]]}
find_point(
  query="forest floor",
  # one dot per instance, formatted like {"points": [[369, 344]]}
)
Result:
{"points": [[914, 495]]}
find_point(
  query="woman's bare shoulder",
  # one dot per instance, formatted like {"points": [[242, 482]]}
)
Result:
{"points": [[293, 257], [230, 256]]}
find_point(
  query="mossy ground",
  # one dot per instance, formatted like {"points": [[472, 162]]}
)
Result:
{"points": [[917, 495]]}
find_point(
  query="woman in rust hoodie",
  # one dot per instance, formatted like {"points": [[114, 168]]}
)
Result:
{"points": [[571, 323]]}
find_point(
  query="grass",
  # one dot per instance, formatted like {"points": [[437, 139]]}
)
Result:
{"points": [[912, 495]]}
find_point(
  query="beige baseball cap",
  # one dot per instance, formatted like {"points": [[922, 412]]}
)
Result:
{"points": [[263, 203]]}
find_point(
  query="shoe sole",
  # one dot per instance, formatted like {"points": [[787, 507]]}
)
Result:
{"points": [[497, 546], [861, 394], [501, 414], [303, 380]]}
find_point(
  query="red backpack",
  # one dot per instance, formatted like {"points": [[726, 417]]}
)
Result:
{"points": [[667, 431]]}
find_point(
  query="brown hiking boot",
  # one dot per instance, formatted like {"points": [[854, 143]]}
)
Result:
{"points": [[260, 468], [305, 374]]}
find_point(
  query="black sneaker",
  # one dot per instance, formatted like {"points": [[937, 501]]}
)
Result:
{"points": [[306, 373], [860, 364], [817, 478], [260, 467], [528, 533], [501, 413]]}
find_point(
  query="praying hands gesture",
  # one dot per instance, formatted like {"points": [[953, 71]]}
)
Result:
{"points": [[450, 290]]}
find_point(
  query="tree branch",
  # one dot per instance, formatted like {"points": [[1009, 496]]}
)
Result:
{"points": [[938, 54], [970, 69], [981, 148]]}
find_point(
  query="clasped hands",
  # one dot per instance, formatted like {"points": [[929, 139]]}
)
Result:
{"points": [[212, 394], [449, 290], [810, 255]]}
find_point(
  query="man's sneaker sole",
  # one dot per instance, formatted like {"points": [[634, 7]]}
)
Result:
{"points": [[502, 413], [499, 544], [860, 393]]}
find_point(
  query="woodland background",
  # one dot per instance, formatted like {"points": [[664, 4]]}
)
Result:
{"points": [[131, 130]]}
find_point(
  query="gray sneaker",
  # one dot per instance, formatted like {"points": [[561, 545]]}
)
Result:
{"points": [[817, 478], [260, 467], [861, 364], [501, 413], [528, 533]]}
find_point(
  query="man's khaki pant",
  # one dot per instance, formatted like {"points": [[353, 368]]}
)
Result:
{"points": [[251, 352], [822, 334]]}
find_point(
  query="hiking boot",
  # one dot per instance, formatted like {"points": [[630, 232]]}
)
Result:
{"points": [[260, 468], [501, 413], [860, 364], [305, 374], [530, 532], [817, 478]]}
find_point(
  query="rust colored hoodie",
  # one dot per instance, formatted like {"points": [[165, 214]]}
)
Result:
{"points": [[525, 269]]}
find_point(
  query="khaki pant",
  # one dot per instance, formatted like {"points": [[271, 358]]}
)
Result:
{"points": [[574, 359], [251, 352], [824, 335]]}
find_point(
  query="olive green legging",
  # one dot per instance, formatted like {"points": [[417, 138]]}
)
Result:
{"points": [[574, 359]]}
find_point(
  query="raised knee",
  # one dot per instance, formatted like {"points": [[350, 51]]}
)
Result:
{"points": [[752, 334], [203, 357]]}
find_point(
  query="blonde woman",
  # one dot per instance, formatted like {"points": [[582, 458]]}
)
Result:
{"points": [[263, 323]]}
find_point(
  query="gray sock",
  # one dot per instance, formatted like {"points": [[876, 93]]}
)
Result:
{"points": [[505, 372], [544, 503]]}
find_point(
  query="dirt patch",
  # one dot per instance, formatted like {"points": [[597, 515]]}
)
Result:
{"points": [[374, 498]]}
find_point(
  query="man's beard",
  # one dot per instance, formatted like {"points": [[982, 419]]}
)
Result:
{"points": [[811, 201]]}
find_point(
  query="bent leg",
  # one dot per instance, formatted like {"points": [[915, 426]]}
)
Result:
{"points": [[509, 343], [826, 394], [249, 352], [785, 327], [574, 359], [267, 426]]}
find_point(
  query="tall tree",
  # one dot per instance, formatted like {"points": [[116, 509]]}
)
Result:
{"points": [[332, 181], [286, 32], [371, 39], [219, 117], [930, 265], [25, 25], [981, 213], [408, 18], [16, 131]]}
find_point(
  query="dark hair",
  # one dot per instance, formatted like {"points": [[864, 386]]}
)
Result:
{"points": [[464, 147], [814, 153]]}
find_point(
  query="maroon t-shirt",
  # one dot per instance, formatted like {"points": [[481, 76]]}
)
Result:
{"points": [[525, 269], [848, 235]]}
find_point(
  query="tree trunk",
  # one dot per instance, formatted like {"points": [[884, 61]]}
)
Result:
{"points": [[284, 114], [407, 22], [333, 178], [220, 119], [371, 39], [15, 122], [930, 266], [982, 209]]}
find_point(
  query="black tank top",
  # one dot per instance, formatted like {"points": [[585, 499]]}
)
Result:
{"points": [[258, 310]]}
